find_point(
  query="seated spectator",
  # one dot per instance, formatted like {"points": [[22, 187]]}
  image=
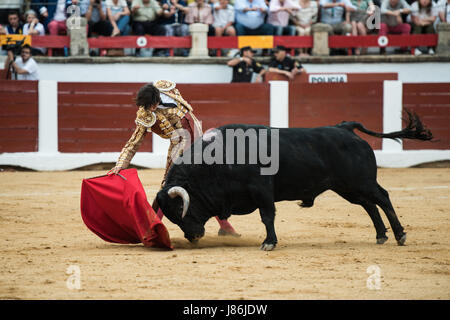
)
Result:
{"points": [[14, 25], [250, 17], [58, 23], [358, 18], [25, 67], [332, 13], [200, 12], [391, 18], [244, 67], [223, 18], [444, 11], [46, 10], [145, 16], [119, 17], [7, 6], [34, 28], [279, 13], [96, 16], [172, 19], [423, 15], [283, 64], [305, 17]]}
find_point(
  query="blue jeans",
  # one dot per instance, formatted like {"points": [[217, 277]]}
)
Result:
{"points": [[264, 29], [124, 25], [288, 30]]}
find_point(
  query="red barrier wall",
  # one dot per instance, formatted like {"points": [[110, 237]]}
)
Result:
{"points": [[219, 104], [97, 117], [431, 101], [18, 116], [313, 105]]}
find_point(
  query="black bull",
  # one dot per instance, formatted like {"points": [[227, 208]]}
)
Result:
{"points": [[311, 161]]}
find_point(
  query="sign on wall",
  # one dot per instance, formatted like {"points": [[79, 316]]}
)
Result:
{"points": [[325, 78]]}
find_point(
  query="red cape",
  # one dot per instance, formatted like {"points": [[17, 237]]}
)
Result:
{"points": [[117, 210]]}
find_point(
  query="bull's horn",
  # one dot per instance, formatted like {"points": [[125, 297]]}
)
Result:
{"points": [[180, 191]]}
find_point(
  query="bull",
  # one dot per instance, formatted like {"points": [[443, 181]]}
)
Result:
{"points": [[311, 161]]}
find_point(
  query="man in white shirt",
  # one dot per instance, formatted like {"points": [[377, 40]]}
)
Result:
{"points": [[25, 67]]}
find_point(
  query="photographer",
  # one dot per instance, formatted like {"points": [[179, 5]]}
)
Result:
{"points": [[24, 67]]}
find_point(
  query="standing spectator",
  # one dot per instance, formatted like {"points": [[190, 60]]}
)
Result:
{"points": [[24, 66], [34, 28], [358, 18], [14, 25], [244, 67], [423, 15], [96, 16], [444, 11], [283, 64], [250, 17], [391, 19], [119, 17], [332, 13], [305, 17], [223, 18], [200, 12], [145, 16], [279, 13]]}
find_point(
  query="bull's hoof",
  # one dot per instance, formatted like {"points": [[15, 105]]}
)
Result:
{"points": [[402, 240], [382, 240], [223, 232], [267, 246]]}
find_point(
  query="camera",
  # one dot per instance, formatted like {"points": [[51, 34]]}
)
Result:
{"points": [[13, 45]]}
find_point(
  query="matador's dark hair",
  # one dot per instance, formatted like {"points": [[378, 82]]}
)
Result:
{"points": [[147, 96]]}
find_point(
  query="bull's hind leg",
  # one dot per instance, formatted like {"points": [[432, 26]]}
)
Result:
{"points": [[378, 223], [381, 198], [268, 218], [371, 208]]}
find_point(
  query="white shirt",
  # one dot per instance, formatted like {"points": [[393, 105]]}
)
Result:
{"points": [[38, 27], [30, 66], [60, 12], [222, 16], [422, 14]]}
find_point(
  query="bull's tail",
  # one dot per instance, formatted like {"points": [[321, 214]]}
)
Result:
{"points": [[413, 130]]}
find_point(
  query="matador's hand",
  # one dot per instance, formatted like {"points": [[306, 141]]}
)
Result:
{"points": [[114, 170]]}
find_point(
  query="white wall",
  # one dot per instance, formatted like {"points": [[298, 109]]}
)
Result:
{"points": [[220, 73]]}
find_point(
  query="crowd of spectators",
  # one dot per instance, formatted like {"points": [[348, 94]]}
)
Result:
{"points": [[224, 17]]}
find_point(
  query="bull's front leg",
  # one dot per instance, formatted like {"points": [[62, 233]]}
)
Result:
{"points": [[268, 218]]}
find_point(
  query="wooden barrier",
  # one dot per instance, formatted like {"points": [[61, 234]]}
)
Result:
{"points": [[97, 117], [18, 116], [219, 104], [351, 77], [290, 42], [431, 101], [411, 40], [313, 105]]}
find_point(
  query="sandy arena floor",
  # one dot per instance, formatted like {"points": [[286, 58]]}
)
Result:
{"points": [[323, 252]]}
